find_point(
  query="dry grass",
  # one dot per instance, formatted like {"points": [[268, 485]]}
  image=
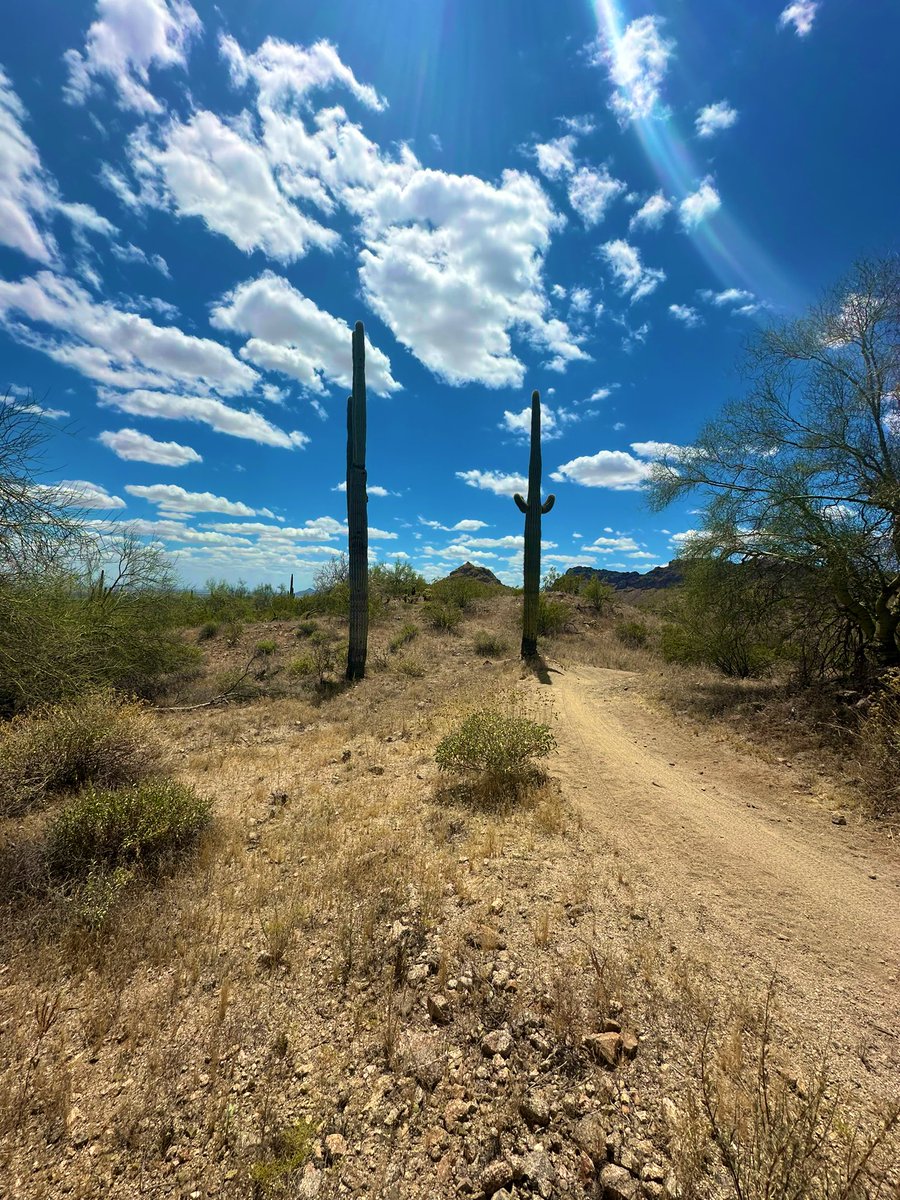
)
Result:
{"points": [[232, 1029]]}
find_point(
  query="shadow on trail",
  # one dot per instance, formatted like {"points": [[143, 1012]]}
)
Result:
{"points": [[539, 668]]}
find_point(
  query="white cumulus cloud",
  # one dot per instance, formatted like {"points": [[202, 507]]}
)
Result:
{"points": [[494, 481], [591, 191], [686, 315], [134, 446], [713, 118], [556, 157], [651, 213], [127, 39], [614, 469], [800, 15], [205, 410], [634, 279], [637, 62], [699, 205], [170, 498]]}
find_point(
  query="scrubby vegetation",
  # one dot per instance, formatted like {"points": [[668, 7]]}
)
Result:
{"points": [[497, 749]]}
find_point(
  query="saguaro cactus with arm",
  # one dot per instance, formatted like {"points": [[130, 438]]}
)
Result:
{"points": [[357, 515], [533, 508]]}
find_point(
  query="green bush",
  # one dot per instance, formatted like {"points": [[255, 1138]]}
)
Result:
{"points": [[441, 615], [568, 585], [880, 742], [303, 665], [99, 740], [601, 596], [498, 748], [489, 644], [306, 629], [233, 631], [460, 592], [208, 630], [406, 634], [553, 616], [399, 582], [632, 633], [267, 646], [411, 667], [136, 826]]}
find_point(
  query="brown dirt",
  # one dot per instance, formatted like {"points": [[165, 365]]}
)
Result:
{"points": [[739, 864]]}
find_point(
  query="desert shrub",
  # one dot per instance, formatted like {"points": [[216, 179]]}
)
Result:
{"points": [[306, 629], [93, 901], [303, 665], [267, 647], [498, 748], [553, 616], [208, 630], [568, 585], [233, 632], [460, 591], [324, 652], [601, 596], [880, 741], [632, 633], [489, 644], [411, 667], [398, 582], [99, 740], [135, 826], [406, 634], [442, 615]]}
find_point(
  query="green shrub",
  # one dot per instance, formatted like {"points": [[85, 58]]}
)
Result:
{"points": [[553, 616], [632, 633], [99, 740], [460, 592], [398, 582], [406, 634], [501, 749], [489, 644], [233, 631], [302, 665], [136, 826], [441, 615], [601, 596], [95, 899], [306, 629], [569, 585], [267, 646], [208, 630]]}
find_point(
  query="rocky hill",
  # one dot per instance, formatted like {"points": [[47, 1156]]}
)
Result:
{"points": [[479, 574], [659, 577]]}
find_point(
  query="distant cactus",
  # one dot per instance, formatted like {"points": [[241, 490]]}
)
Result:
{"points": [[533, 508], [291, 588], [357, 516]]}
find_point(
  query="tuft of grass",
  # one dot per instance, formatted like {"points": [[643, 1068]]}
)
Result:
{"points": [[411, 667], [307, 628], [266, 646], [135, 826], [232, 632], [290, 1148], [100, 740], [489, 645], [301, 666], [208, 630], [406, 634]]}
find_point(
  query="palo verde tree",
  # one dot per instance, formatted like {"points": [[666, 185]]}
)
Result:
{"points": [[357, 515], [533, 509], [805, 469]]}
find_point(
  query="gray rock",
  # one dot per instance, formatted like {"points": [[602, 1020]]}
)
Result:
{"points": [[606, 1048], [535, 1110], [422, 1056], [439, 1009], [499, 1042], [618, 1184], [496, 1176], [589, 1135]]}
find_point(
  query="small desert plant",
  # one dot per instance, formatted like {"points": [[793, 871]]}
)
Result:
{"points": [[304, 664], [407, 633], [553, 616], [306, 629], [880, 740], [489, 644], [267, 647], [442, 615], [125, 827], [497, 748], [99, 740], [599, 595], [411, 667], [232, 632], [324, 654], [632, 633], [208, 630], [289, 1148]]}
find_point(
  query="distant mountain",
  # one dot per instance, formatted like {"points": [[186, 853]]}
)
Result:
{"points": [[659, 577], [479, 574]]}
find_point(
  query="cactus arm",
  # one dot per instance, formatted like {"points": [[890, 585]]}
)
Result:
{"points": [[520, 503], [357, 515], [548, 503]]}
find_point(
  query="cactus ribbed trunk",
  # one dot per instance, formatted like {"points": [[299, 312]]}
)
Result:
{"points": [[357, 516], [291, 590], [533, 509]]}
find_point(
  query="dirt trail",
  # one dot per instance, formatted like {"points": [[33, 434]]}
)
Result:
{"points": [[719, 846]]}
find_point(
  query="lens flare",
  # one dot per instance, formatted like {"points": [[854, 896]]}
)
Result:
{"points": [[733, 255]]}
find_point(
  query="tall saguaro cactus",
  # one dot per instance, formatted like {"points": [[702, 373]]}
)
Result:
{"points": [[357, 516], [533, 509]]}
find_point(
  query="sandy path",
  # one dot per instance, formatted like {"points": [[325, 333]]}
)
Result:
{"points": [[726, 853]]}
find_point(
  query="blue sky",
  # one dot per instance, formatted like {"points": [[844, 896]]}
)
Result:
{"points": [[600, 200]]}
